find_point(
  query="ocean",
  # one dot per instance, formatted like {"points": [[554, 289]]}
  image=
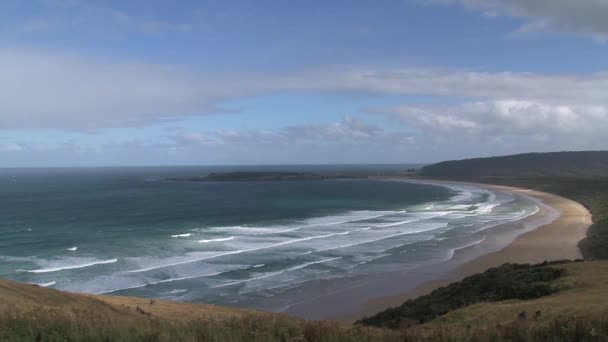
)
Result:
{"points": [[263, 245]]}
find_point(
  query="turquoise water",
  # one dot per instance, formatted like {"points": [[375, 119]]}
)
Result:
{"points": [[127, 232]]}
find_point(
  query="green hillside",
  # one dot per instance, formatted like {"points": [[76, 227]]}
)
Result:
{"points": [[496, 284], [555, 164]]}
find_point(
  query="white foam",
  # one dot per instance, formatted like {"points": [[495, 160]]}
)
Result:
{"points": [[181, 235], [145, 269], [423, 217], [72, 249], [368, 260], [288, 242], [286, 230], [283, 243], [463, 193], [242, 230], [260, 265], [177, 291], [452, 251], [492, 196], [516, 218], [461, 206], [71, 267], [459, 216], [440, 209], [217, 240], [279, 272], [170, 280], [487, 208], [463, 196], [399, 223], [51, 283], [285, 283], [441, 225], [353, 216]]}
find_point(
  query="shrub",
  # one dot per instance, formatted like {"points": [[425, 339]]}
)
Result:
{"points": [[509, 281]]}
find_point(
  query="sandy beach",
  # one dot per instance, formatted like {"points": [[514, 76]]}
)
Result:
{"points": [[554, 235]]}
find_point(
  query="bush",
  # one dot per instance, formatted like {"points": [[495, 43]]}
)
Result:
{"points": [[509, 281]]}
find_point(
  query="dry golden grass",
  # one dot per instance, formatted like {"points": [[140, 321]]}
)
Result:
{"points": [[28, 312]]}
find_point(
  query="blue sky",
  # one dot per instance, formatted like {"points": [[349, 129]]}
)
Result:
{"points": [[283, 82]]}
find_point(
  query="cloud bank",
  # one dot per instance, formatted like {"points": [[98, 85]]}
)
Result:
{"points": [[581, 16], [347, 131], [521, 119], [41, 90], [521, 111]]}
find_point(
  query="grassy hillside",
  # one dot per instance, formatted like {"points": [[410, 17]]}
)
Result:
{"points": [[555, 164], [32, 313], [576, 312], [579, 308], [580, 176], [496, 284]]}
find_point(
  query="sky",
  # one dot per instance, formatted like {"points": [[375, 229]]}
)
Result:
{"points": [[160, 82]]}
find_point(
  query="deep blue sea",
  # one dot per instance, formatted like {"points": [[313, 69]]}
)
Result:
{"points": [[125, 231]]}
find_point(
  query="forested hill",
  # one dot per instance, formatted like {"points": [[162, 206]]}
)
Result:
{"points": [[554, 164]]}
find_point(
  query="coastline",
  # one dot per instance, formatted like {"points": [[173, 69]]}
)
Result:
{"points": [[551, 234]]}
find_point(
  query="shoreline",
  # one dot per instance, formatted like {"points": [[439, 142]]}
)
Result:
{"points": [[555, 233], [552, 233]]}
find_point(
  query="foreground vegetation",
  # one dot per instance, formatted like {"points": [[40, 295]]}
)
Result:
{"points": [[508, 281], [576, 312], [51, 326], [57, 325], [32, 313]]}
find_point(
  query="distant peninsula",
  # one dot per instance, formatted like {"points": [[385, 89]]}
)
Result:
{"points": [[251, 176]]}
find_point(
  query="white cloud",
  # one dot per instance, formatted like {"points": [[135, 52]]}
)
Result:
{"points": [[199, 138], [46, 90], [471, 84], [347, 131], [350, 140], [39, 90], [11, 147], [520, 122], [581, 16]]}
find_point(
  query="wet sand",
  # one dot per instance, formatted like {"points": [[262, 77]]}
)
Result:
{"points": [[552, 234]]}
